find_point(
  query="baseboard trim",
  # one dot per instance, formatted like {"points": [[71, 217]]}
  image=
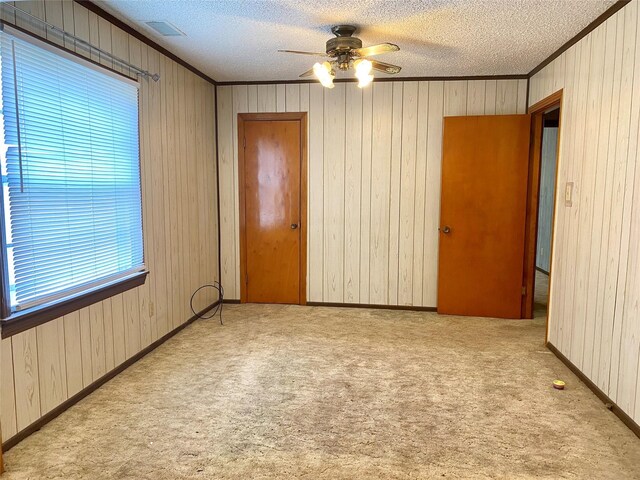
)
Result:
{"points": [[358, 305], [542, 270], [610, 404], [47, 417], [372, 306]]}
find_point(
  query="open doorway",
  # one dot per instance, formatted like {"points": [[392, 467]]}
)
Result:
{"points": [[546, 121], [546, 196]]}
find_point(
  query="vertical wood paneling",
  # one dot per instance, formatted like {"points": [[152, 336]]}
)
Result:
{"points": [[68, 22], [138, 55], [373, 181], [104, 42], [455, 98], [267, 98], [7, 391], [586, 240], [435, 115], [422, 106], [521, 103], [333, 182], [171, 77], [85, 346], [281, 102], [180, 185], [26, 379], [392, 255], [573, 172], [98, 357], [80, 27], [240, 104], [292, 97], [618, 252], [352, 187], [506, 97], [303, 106], [628, 360], [7, 13], [228, 211], [73, 353], [167, 161], [44, 366], [52, 365], [476, 97], [35, 8], [252, 98], [381, 150], [107, 322], [157, 169], [406, 252], [131, 323], [54, 16], [594, 291], [490, 91], [577, 275], [315, 244], [94, 35], [602, 214], [365, 196]]}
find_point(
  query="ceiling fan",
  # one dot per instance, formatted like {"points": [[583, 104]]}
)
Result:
{"points": [[346, 51]]}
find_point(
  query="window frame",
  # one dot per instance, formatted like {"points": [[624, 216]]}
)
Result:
{"points": [[15, 322]]}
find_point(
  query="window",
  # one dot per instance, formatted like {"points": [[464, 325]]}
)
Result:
{"points": [[70, 175]]}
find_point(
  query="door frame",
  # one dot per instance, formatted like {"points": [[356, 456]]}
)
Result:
{"points": [[531, 234], [301, 117]]}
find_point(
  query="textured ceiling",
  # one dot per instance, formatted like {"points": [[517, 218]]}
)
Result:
{"points": [[236, 40]]}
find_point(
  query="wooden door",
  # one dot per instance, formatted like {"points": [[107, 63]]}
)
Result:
{"points": [[485, 169], [272, 220]]}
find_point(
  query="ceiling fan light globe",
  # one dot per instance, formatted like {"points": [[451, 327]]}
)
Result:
{"points": [[363, 67], [324, 74], [364, 80], [327, 81]]}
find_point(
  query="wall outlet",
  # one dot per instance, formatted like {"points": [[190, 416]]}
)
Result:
{"points": [[568, 194]]}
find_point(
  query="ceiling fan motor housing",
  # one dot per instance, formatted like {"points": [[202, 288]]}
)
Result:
{"points": [[344, 42]]}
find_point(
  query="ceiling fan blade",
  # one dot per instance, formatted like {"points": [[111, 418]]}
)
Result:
{"points": [[308, 73], [376, 49], [385, 67], [315, 54]]}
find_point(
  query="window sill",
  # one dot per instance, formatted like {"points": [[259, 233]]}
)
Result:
{"points": [[22, 321]]}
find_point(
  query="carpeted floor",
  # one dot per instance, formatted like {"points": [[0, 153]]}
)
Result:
{"points": [[330, 393]]}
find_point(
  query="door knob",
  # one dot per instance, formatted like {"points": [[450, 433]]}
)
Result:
{"points": [[294, 226], [445, 229]]}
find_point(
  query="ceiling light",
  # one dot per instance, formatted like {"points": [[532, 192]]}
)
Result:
{"points": [[363, 72], [325, 74]]}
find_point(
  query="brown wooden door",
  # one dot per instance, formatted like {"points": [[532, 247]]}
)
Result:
{"points": [[482, 216], [271, 191]]}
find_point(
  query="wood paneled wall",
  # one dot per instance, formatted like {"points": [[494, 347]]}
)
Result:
{"points": [[546, 197], [374, 180], [595, 277], [44, 366]]}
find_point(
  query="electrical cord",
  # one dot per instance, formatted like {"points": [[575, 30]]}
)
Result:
{"points": [[218, 286]]}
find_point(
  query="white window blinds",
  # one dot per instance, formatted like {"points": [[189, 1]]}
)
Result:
{"points": [[71, 174]]}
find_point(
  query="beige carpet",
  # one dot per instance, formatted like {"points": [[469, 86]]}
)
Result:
{"points": [[327, 393]]}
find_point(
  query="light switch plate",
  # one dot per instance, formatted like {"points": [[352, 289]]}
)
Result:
{"points": [[568, 194]]}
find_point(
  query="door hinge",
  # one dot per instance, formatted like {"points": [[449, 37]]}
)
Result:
{"points": [[524, 290], [244, 142], [246, 278]]}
